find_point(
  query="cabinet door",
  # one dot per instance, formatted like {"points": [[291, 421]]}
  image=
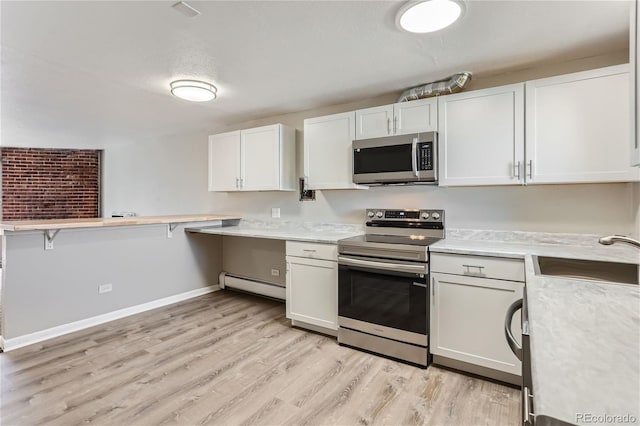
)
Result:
{"points": [[224, 161], [312, 291], [467, 320], [634, 43], [261, 158], [374, 122], [578, 127], [415, 116], [481, 137], [328, 156]]}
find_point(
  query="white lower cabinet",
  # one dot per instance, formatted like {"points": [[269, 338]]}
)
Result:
{"points": [[468, 313], [312, 285]]}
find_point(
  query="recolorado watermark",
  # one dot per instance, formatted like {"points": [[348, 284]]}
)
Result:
{"points": [[591, 418]]}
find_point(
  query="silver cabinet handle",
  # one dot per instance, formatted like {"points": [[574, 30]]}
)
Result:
{"points": [[516, 171], [237, 182], [388, 126], [526, 407], [419, 284], [530, 167], [433, 289], [508, 319], [468, 271], [395, 124], [241, 183], [309, 250]]}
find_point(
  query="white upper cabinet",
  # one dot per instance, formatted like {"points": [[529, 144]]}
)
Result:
{"points": [[481, 137], [328, 156], [578, 127], [397, 119], [415, 116], [374, 122], [224, 161], [634, 43], [259, 159]]}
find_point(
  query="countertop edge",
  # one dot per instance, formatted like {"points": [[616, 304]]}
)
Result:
{"points": [[43, 225], [286, 235]]}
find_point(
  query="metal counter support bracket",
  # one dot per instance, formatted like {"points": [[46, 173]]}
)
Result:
{"points": [[170, 228], [49, 237]]}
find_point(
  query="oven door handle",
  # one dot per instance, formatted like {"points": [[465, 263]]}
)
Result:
{"points": [[386, 266], [513, 345]]}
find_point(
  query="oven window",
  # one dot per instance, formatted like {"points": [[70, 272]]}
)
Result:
{"points": [[384, 159], [378, 298]]}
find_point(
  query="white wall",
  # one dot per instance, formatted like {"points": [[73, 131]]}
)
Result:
{"points": [[550, 208], [155, 178], [140, 262], [170, 177]]}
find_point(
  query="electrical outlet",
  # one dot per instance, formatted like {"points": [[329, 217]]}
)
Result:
{"points": [[275, 272], [48, 244], [275, 211], [105, 288]]}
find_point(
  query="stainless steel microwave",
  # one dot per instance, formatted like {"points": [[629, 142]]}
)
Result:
{"points": [[399, 159]]}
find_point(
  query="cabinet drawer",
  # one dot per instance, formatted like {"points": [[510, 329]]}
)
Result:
{"points": [[478, 266], [312, 250]]}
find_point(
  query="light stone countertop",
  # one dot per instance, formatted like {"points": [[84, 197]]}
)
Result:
{"points": [[584, 335], [585, 348], [284, 230]]}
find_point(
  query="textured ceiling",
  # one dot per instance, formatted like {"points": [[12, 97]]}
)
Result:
{"points": [[100, 71]]}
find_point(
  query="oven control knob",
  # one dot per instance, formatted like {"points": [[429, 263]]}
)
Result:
{"points": [[370, 214], [379, 215], [435, 215], [425, 215]]}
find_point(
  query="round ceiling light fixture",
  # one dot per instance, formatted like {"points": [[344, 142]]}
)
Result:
{"points": [[428, 15], [194, 90]]}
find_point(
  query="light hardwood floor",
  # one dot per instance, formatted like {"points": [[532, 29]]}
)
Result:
{"points": [[232, 359]]}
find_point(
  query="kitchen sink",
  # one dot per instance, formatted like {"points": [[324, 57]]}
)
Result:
{"points": [[621, 273]]}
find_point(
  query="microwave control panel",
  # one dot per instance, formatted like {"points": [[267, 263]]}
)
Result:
{"points": [[425, 156]]}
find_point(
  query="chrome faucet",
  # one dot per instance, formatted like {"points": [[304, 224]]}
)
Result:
{"points": [[607, 241]]}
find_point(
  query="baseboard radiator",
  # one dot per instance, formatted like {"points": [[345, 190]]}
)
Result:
{"points": [[252, 286]]}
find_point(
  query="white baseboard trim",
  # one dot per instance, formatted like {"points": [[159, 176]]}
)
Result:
{"points": [[39, 336]]}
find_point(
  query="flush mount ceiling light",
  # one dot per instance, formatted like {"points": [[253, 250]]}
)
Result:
{"points": [[429, 15], [194, 90]]}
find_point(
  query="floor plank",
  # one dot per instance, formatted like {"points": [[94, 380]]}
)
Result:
{"points": [[232, 359]]}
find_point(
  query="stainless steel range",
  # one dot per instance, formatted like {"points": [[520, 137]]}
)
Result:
{"points": [[383, 284]]}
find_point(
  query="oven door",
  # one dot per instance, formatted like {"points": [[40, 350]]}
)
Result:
{"points": [[406, 158], [386, 298]]}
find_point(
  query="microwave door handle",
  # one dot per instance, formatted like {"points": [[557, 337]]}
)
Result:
{"points": [[414, 156]]}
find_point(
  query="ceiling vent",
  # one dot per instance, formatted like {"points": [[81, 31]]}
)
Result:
{"points": [[185, 9]]}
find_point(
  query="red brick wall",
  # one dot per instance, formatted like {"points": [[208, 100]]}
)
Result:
{"points": [[50, 183]]}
